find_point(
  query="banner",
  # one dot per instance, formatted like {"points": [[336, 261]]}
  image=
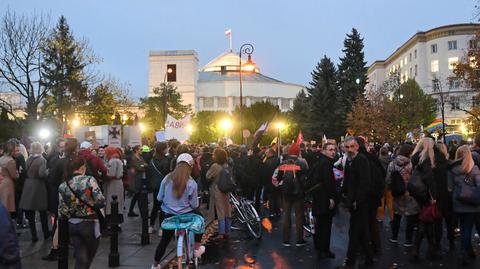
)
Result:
{"points": [[114, 136], [177, 128]]}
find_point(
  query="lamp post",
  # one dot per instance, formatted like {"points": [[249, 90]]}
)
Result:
{"points": [[249, 66], [280, 125], [436, 84], [164, 97], [226, 125]]}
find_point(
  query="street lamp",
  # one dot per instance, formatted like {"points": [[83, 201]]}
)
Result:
{"points": [[164, 97], [248, 67], [189, 129], [280, 126], [142, 126], [226, 125], [44, 134]]}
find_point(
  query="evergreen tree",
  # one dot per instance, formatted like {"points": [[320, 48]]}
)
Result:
{"points": [[352, 70], [300, 111], [326, 115], [63, 69]]}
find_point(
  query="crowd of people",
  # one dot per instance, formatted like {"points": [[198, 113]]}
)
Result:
{"points": [[423, 183]]}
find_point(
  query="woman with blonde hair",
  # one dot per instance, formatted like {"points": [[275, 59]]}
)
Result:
{"points": [[423, 160], [178, 195], [34, 195], [462, 172]]}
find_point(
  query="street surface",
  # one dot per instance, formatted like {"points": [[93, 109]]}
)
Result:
{"points": [[241, 251]]}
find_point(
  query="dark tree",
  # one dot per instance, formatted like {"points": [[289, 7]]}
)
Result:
{"points": [[326, 115], [352, 70], [300, 111], [64, 69]]}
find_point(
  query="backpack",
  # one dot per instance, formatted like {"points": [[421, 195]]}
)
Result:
{"points": [[225, 181], [290, 183], [397, 185]]}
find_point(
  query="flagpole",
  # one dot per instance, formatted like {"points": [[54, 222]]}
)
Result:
{"points": [[231, 37]]}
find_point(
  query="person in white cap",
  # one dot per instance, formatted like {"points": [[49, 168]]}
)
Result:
{"points": [[178, 195]]}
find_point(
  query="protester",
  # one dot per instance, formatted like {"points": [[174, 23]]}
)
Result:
{"points": [[461, 172], [423, 160], [355, 190], [158, 168], [178, 196], [403, 205], [95, 165], [80, 201], [290, 175], [137, 175], [9, 249], [10, 174], [113, 184], [387, 199], [324, 196], [219, 201], [35, 195], [272, 193]]}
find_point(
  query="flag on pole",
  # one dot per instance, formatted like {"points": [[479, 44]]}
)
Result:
{"points": [[324, 139], [228, 32], [259, 133], [300, 138]]}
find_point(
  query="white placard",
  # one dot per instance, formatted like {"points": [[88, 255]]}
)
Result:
{"points": [[177, 128], [114, 136]]}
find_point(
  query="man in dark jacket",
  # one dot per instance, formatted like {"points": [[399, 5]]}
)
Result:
{"points": [[158, 167], [289, 175], [324, 199], [9, 249], [272, 193], [356, 189]]}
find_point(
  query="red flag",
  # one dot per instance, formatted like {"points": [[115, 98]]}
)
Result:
{"points": [[300, 138]]}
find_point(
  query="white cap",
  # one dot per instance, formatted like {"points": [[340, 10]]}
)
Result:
{"points": [[85, 145], [185, 157]]}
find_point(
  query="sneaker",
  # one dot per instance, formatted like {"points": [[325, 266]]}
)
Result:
{"points": [[393, 240], [156, 267], [408, 244], [286, 244], [198, 252], [301, 243], [150, 230]]}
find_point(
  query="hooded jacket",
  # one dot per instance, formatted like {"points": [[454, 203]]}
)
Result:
{"points": [[405, 204], [96, 164]]}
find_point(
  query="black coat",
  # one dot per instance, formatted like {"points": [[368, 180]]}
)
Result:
{"points": [[356, 181], [267, 169], [322, 184]]}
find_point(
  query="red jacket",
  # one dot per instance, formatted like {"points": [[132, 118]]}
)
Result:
{"points": [[98, 168]]}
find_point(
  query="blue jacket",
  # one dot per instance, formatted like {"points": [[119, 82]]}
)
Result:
{"points": [[9, 249]]}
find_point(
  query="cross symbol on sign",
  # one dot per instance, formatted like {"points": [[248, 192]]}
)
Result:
{"points": [[113, 132]]}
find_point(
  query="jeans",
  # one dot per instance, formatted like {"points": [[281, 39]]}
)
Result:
{"points": [[224, 225], [411, 221], [466, 226], [85, 245], [297, 204]]}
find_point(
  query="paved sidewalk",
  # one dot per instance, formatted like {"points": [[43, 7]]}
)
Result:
{"points": [[132, 254]]}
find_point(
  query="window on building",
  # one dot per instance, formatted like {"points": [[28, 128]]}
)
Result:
{"points": [[410, 56], [434, 48], [434, 66], [455, 103], [236, 101], [436, 104], [172, 76], [285, 103], [452, 62], [406, 75], [416, 70], [256, 100], [452, 45], [410, 73], [473, 44], [208, 102], [222, 102], [401, 63], [415, 54], [435, 85], [453, 84]]}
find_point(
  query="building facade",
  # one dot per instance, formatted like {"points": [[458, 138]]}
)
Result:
{"points": [[429, 58], [216, 86]]}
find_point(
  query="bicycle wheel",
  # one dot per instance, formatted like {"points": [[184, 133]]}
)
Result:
{"points": [[253, 220]]}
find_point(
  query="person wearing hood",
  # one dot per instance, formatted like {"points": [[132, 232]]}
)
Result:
{"points": [[387, 200], [461, 170], [404, 205], [95, 166]]}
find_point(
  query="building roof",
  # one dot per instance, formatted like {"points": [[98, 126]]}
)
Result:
{"points": [[421, 36], [228, 60], [173, 53], [234, 76]]}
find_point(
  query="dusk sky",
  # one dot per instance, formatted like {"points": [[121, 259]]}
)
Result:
{"points": [[290, 37]]}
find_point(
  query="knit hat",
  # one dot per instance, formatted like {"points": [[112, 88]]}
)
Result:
{"points": [[294, 150]]}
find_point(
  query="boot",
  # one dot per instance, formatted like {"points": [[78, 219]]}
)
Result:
{"points": [[52, 256]]}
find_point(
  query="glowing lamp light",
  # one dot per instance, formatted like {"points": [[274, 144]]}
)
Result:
{"points": [[75, 123], [357, 81], [249, 66], [463, 129], [124, 117], [142, 127], [169, 70], [280, 125], [44, 134], [226, 125], [189, 128]]}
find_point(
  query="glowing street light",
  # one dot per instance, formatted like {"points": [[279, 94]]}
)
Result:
{"points": [[189, 129], [357, 81], [248, 67], [226, 125], [280, 126], [75, 123], [142, 127], [463, 129], [44, 134]]}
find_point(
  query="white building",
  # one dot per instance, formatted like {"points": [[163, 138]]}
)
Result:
{"points": [[216, 85], [428, 57]]}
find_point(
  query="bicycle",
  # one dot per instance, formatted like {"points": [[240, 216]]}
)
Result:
{"points": [[309, 219], [247, 214], [185, 226]]}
